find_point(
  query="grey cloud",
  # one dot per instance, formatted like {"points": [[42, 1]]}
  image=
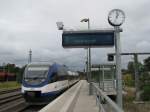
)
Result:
{"points": [[26, 24]]}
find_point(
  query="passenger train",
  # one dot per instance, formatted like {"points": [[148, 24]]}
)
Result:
{"points": [[42, 82]]}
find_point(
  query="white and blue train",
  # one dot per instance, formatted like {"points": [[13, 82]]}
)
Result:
{"points": [[42, 82]]}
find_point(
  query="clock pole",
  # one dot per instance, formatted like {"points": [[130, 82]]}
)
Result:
{"points": [[116, 17], [118, 66]]}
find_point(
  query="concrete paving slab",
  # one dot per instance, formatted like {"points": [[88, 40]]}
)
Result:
{"points": [[85, 103]]}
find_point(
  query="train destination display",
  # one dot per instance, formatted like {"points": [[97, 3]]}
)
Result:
{"points": [[87, 39]]}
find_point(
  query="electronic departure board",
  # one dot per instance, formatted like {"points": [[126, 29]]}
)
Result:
{"points": [[87, 39]]}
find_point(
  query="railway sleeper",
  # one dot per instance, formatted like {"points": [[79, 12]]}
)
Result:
{"points": [[14, 106], [2, 102]]}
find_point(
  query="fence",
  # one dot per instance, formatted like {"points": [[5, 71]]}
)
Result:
{"points": [[104, 102]]}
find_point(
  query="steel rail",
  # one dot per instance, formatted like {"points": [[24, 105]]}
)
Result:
{"points": [[3, 91]]}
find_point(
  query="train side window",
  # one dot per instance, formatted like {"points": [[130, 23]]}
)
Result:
{"points": [[63, 77], [54, 77], [60, 78]]}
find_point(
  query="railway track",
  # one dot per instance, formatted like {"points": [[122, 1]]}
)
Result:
{"points": [[12, 101], [9, 95], [3, 91], [33, 108]]}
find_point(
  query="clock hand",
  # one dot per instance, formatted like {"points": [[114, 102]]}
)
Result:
{"points": [[117, 15]]}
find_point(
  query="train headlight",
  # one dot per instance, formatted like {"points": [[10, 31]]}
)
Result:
{"points": [[42, 80], [26, 80]]}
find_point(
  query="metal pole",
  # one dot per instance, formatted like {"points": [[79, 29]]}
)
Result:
{"points": [[30, 56], [99, 77], [137, 94], [89, 58], [118, 66], [87, 72], [113, 77], [103, 72], [90, 87], [89, 64]]}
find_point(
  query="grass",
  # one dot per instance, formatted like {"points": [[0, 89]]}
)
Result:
{"points": [[128, 104], [9, 85]]}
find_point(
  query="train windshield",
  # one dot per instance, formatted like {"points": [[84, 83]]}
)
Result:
{"points": [[36, 72]]}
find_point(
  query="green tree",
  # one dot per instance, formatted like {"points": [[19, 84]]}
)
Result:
{"points": [[145, 80], [131, 67], [12, 68], [147, 64], [20, 74]]}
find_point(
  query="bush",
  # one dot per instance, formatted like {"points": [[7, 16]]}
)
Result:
{"points": [[145, 86], [146, 93], [128, 80]]}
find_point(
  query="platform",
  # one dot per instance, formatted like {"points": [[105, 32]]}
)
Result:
{"points": [[76, 99], [85, 103]]}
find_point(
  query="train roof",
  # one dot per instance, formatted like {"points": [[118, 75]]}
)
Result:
{"points": [[43, 64], [39, 64]]}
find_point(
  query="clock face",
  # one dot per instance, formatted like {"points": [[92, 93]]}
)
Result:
{"points": [[116, 17]]}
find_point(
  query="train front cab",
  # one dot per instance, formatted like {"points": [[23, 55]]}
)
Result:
{"points": [[46, 91]]}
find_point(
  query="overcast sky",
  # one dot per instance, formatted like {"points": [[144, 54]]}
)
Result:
{"points": [[31, 24]]}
